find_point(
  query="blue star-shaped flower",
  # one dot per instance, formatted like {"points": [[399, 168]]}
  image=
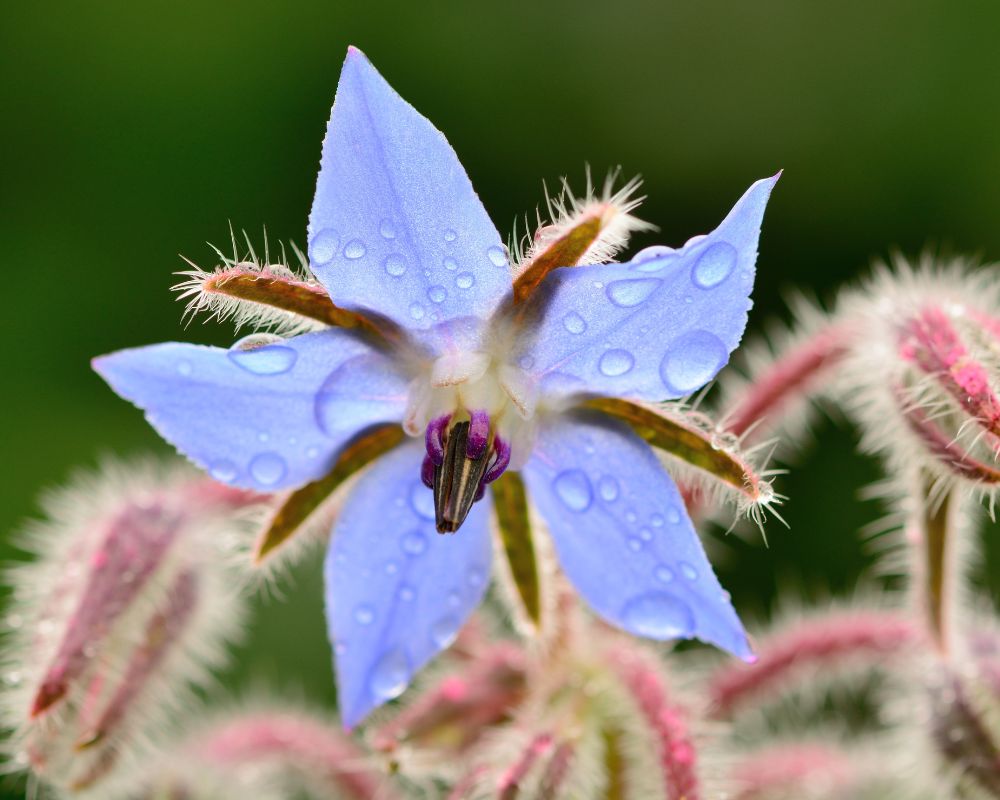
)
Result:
{"points": [[482, 383]]}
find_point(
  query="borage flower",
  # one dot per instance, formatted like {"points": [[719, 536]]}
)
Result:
{"points": [[486, 370]]}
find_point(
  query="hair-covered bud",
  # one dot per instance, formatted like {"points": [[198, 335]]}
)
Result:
{"points": [[922, 379], [666, 720], [588, 230], [289, 751], [962, 735], [124, 609], [816, 645], [794, 770], [261, 294], [450, 716]]}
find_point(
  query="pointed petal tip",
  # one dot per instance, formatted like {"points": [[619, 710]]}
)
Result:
{"points": [[355, 52]]}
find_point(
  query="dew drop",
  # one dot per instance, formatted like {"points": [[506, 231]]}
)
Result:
{"points": [[422, 500], [450, 235], [607, 487], [391, 568], [631, 292], [312, 452], [475, 578], [645, 534], [714, 265], [454, 600], [658, 615], [394, 265], [497, 256], [653, 259], [630, 516], [354, 249], [656, 520], [634, 544], [269, 359], [688, 571], [437, 294], [390, 675], [573, 487], [224, 471], [407, 593], [364, 615], [184, 368], [615, 362], [450, 264], [416, 311], [692, 361], [324, 246], [673, 515], [464, 280], [268, 468], [574, 323], [663, 574], [263, 436], [444, 631], [387, 229]]}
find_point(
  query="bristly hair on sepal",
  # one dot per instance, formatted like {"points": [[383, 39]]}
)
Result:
{"points": [[202, 290], [611, 208]]}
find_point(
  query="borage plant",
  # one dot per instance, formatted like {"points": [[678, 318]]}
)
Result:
{"points": [[439, 407]]}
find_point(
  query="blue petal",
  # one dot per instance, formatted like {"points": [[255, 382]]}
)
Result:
{"points": [[654, 328], [396, 227], [268, 418], [397, 592], [622, 534]]}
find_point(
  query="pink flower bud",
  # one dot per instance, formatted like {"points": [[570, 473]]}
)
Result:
{"points": [[125, 607]]}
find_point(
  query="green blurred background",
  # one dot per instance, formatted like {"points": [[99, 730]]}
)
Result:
{"points": [[136, 131]]}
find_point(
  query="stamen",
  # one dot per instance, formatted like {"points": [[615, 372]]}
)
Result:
{"points": [[457, 479], [427, 472], [479, 434], [501, 460], [434, 438]]}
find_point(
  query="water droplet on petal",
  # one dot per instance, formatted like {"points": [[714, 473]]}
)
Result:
{"points": [[714, 265], [645, 534], [422, 500], [406, 593], [184, 368], [476, 578], [454, 600], [324, 246], [224, 471], [450, 235], [658, 615], [464, 280], [268, 468], [654, 258], [607, 487], [413, 543], [437, 294], [269, 359], [615, 362], [673, 515], [634, 544], [364, 615], [573, 487], [631, 292], [416, 311], [387, 229], [390, 675], [692, 361], [497, 256], [394, 265], [391, 567], [574, 323], [444, 631], [354, 249], [663, 574], [688, 571], [450, 264], [656, 520]]}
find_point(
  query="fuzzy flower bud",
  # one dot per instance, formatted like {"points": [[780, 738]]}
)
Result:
{"points": [[123, 609]]}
